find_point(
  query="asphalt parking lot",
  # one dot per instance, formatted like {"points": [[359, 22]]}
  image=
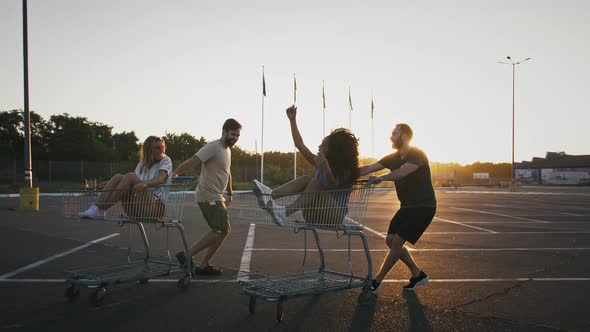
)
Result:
{"points": [[498, 261]]}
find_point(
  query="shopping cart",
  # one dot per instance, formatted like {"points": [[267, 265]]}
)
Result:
{"points": [[136, 210], [339, 211]]}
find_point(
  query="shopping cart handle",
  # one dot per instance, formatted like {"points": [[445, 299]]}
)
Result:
{"points": [[185, 178], [377, 181]]}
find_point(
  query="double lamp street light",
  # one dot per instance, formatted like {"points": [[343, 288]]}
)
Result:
{"points": [[513, 64]]}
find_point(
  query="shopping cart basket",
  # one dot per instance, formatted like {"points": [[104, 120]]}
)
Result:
{"points": [[340, 211], [131, 210]]}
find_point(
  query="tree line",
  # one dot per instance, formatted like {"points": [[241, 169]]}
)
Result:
{"points": [[65, 137]]}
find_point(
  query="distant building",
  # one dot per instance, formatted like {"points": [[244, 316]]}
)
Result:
{"points": [[555, 168]]}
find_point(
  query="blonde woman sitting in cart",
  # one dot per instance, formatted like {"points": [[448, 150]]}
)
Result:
{"points": [[141, 192], [324, 198]]}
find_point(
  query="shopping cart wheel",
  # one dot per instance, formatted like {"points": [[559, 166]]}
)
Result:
{"points": [[72, 291], [252, 305], [279, 311], [184, 282], [97, 297]]}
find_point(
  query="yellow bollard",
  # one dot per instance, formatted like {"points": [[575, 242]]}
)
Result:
{"points": [[29, 199], [512, 187]]}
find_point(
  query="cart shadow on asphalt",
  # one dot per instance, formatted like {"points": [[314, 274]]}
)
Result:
{"points": [[362, 319]]}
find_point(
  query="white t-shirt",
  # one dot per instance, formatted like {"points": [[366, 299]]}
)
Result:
{"points": [[215, 165], [147, 174]]}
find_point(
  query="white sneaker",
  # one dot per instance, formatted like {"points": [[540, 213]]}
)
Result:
{"points": [[279, 214], [93, 212], [263, 194]]}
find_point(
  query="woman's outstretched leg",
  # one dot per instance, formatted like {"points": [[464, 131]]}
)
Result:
{"points": [[307, 197], [265, 195], [105, 196], [317, 205], [294, 186], [127, 183]]}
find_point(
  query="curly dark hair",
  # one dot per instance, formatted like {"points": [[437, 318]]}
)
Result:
{"points": [[343, 156]]}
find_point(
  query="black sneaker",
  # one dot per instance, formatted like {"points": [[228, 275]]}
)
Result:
{"points": [[373, 286], [420, 280], [208, 270], [181, 258]]}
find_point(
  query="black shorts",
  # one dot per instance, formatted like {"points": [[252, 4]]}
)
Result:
{"points": [[410, 223]]}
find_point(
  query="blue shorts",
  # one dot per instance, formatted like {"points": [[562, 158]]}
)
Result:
{"points": [[340, 195]]}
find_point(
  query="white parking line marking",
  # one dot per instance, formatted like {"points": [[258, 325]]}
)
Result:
{"points": [[54, 257], [383, 235], [494, 280], [497, 233], [427, 249], [244, 271], [41, 281], [536, 210], [465, 225], [499, 214]]}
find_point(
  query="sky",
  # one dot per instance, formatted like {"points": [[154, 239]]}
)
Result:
{"points": [[186, 66]]}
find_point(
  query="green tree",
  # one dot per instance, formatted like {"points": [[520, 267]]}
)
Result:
{"points": [[183, 146], [126, 146], [75, 138]]}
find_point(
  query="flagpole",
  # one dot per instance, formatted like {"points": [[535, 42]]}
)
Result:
{"points": [[262, 140], [323, 111], [372, 129], [294, 147], [349, 110]]}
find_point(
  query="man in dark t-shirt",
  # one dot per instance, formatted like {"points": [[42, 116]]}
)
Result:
{"points": [[411, 173]]}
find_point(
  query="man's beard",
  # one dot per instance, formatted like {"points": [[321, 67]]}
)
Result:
{"points": [[397, 144], [229, 142]]}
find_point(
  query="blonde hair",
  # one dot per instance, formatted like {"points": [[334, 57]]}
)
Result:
{"points": [[146, 157]]}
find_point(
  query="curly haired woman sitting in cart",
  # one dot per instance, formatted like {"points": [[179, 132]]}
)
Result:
{"points": [[323, 199]]}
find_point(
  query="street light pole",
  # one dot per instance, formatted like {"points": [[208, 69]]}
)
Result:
{"points": [[28, 195], [27, 117], [513, 64]]}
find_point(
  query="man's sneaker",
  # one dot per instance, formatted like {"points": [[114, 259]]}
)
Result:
{"points": [[278, 213], [181, 258], [373, 286], [208, 270], [420, 280], [93, 212], [263, 193]]}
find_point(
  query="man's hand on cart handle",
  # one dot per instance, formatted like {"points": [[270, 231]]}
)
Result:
{"points": [[176, 177], [374, 180]]}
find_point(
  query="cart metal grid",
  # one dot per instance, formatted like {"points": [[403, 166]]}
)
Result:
{"points": [[336, 210], [344, 220], [128, 208]]}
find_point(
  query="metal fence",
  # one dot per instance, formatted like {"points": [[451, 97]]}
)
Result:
{"points": [[12, 171]]}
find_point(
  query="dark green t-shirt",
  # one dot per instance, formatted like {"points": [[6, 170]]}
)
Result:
{"points": [[414, 190]]}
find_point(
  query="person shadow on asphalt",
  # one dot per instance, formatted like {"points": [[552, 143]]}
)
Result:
{"points": [[362, 319], [418, 321]]}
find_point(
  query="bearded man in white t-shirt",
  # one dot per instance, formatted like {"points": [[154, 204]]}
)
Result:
{"points": [[215, 178]]}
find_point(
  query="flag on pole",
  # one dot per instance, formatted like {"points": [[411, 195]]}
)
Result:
{"points": [[323, 96], [349, 99], [372, 107], [263, 83], [294, 90]]}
